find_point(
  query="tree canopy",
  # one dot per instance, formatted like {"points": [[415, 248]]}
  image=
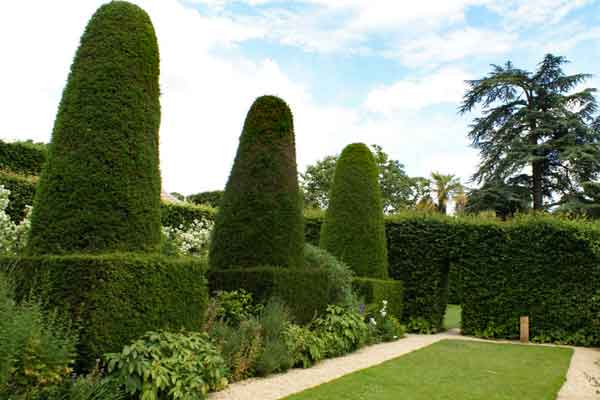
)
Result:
{"points": [[537, 129]]}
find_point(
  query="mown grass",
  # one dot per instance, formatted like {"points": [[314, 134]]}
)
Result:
{"points": [[456, 369], [452, 317]]}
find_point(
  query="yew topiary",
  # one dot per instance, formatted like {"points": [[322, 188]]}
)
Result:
{"points": [[354, 229], [260, 220], [100, 188]]}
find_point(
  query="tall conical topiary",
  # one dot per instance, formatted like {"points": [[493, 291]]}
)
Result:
{"points": [[260, 220], [100, 188], [354, 229]]}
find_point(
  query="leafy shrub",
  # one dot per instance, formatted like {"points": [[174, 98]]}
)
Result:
{"points": [[275, 357], [287, 284], [99, 190], [260, 219], [340, 275], [25, 158], [353, 229], [37, 347], [342, 330], [193, 241], [240, 345], [94, 386], [305, 347], [164, 365], [235, 306], [385, 326], [117, 297]]}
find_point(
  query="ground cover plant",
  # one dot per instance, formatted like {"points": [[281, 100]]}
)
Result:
{"points": [[455, 369]]}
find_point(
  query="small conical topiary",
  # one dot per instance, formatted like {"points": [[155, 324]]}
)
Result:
{"points": [[260, 220], [100, 188], [354, 229]]}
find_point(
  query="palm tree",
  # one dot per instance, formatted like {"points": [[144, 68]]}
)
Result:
{"points": [[444, 187]]}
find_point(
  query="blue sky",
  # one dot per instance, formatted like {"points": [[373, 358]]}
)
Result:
{"points": [[376, 71]]}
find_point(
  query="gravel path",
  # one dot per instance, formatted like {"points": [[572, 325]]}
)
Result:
{"points": [[577, 387]]}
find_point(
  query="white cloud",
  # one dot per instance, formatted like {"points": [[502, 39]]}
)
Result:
{"points": [[444, 86], [435, 49], [532, 12]]}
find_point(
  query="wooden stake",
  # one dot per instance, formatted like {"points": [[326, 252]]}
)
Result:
{"points": [[525, 329]]}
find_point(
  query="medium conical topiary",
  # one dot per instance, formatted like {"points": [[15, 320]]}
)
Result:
{"points": [[100, 188], [260, 220], [354, 229]]}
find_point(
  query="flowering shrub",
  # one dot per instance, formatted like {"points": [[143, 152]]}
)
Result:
{"points": [[13, 237], [384, 326], [193, 241]]}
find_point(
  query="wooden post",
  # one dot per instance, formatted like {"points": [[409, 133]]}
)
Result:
{"points": [[525, 329]]}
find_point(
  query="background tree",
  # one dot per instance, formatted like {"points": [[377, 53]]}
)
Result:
{"points": [[535, 120], [444, 186], [212, 198], [504, 199], [396, 187]]}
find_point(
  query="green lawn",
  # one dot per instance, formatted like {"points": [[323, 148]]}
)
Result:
{"points": [[455, 370], [452, 318]]}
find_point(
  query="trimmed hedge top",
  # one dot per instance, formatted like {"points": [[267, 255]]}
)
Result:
{"points": [[260, 219], [25, 158], [354, 229], [100, 189]]}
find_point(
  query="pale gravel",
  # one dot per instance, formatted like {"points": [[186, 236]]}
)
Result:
{"points": [[578, 386]]}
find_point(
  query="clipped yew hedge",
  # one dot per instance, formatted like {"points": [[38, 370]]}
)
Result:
{"points": [[99, 190], [353, 229], [25, 158], [374, 291], [260, 221], [116, 298], [542, 267]]}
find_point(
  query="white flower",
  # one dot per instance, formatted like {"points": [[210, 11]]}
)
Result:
{"points": [[372, 321], [194, 241], [384, 302], [395, 337], [383, 313]]}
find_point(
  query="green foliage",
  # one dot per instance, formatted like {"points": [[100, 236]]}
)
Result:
{"points": [[354, 230], [343, 330], [24, 158], [543, 267], [375, 291], [94, 387], [235, 306], [117, 297], [317, 181], [288, 284], [275, 357], [535, 121], [212, 198], [505, 199], [313, 221], [419, 248], [445, 186], [305, 347], [240, 345], [164, 365], [22, 191], [37, 347], [260, 219], [340, 276], [384, 326], [100, 188]]}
